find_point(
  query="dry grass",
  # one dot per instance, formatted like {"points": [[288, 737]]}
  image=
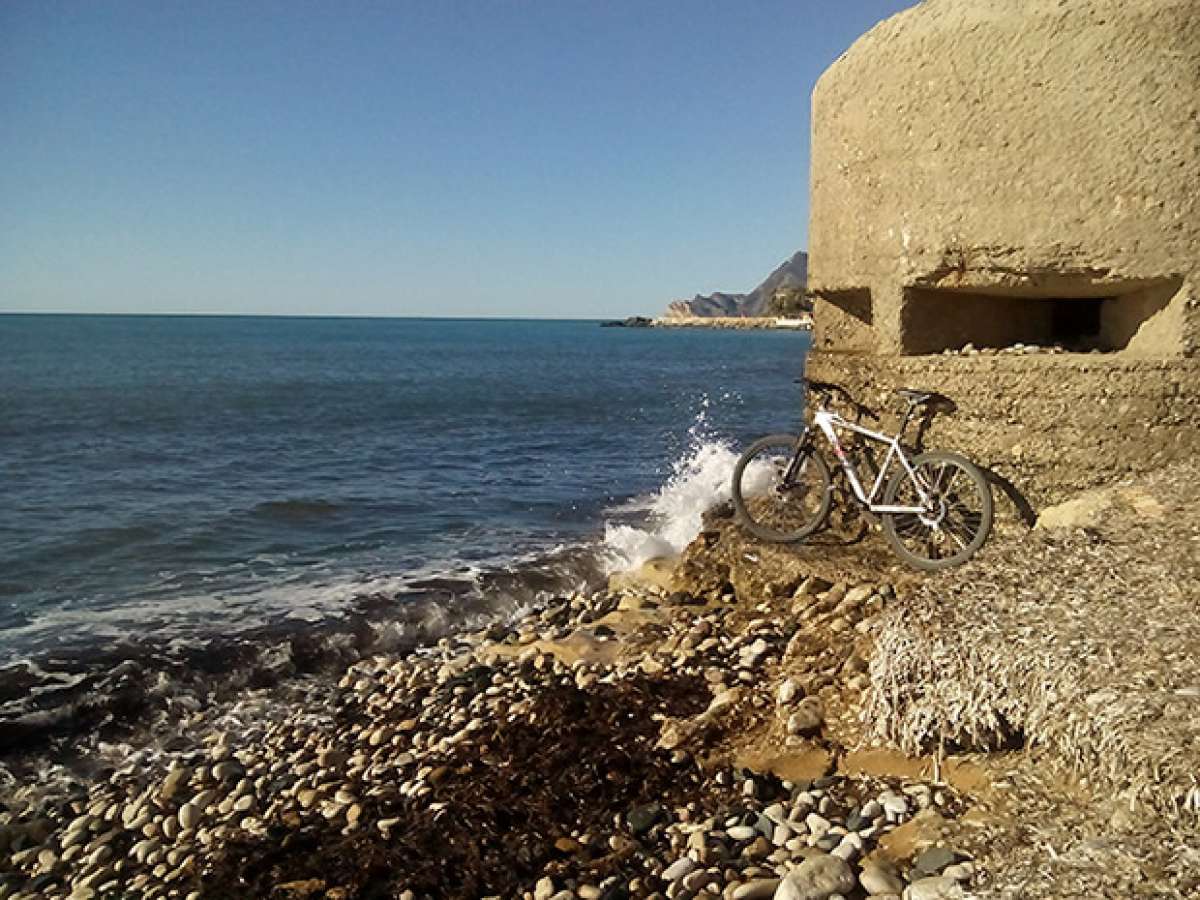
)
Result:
{"points": [[1083, 644]]}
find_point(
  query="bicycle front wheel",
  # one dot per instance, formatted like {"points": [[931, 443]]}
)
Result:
{"points": [[776, 500], [956, 520]]}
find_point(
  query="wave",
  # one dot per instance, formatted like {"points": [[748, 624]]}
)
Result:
{"points": [[117, 678], [104, 670], [673, 515]]}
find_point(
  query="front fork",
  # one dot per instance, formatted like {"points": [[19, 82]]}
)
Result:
{"points": [[803, 445]]}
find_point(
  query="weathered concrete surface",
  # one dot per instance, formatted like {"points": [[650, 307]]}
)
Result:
{"points": [[975, 163], [1050, 425]]}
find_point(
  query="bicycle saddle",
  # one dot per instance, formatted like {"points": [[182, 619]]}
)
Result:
{"points": [[914, 397]]}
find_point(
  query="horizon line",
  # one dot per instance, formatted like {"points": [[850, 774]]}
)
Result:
{"points": [[236, 315]]}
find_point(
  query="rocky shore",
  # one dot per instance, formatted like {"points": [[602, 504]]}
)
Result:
{"points": [[721, 725], [589, 750]]}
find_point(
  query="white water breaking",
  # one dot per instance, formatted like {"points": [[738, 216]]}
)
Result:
{"points": [[673, 515]]}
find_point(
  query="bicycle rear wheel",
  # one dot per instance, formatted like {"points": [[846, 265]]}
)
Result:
{"points": [[775, 504], [957, 520]]}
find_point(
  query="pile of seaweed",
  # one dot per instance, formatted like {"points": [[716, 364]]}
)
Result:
{"points": [[503, 809]]}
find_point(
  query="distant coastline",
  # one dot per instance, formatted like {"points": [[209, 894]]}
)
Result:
{"points": [[802, 322]]}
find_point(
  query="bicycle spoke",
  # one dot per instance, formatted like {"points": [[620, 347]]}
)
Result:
{"points": [[955, 517], [948, 487], [968, 521], [936, 481], [931, 548], [779, 493], [950, 531]]}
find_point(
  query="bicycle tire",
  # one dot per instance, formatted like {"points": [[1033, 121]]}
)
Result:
{"points": [[754, 507], [899, 527]]}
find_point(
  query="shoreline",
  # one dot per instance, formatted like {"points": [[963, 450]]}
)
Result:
{"points": [[115, 689], [745, 323], [709, 726], [276, 789]]}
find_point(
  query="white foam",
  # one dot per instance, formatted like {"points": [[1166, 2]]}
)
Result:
{"points": [[673, 518]]}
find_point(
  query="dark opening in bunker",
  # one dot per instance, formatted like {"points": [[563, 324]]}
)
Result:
{"points": [[936, 320], [1075, 324]]}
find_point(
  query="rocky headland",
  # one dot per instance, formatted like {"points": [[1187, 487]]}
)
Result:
{"points": [[779, 294]]}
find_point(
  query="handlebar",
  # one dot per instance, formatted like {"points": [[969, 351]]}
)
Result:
{"points": [[828, 389]]}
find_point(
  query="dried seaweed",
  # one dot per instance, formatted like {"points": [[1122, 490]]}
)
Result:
{"points": [[577, 760], [1084, 644]]}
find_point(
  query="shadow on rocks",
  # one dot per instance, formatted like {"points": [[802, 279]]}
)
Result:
{"points": [[502, 807]]}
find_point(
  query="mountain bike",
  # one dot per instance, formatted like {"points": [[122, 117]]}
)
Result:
{"points": [[935, 507]]}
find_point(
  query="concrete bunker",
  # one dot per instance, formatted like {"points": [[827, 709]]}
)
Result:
{"points": [[1044, 195]]}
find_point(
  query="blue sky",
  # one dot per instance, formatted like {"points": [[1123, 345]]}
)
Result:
{"points": [[559, 158]]}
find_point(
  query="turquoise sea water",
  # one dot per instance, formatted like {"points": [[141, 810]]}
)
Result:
{"points": [[169, 479]]}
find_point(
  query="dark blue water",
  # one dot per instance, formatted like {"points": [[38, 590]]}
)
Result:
{"points": [[172, 477]]}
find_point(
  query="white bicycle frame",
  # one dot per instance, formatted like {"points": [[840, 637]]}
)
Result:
{"points": [[828, 422]]}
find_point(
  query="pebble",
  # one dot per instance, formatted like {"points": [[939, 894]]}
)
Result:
{"points": [[175, 778], [807, 718], [226, 771], [759, 889], [289, 771], [817, 825], [189, 816], [650, 666], [681, 868], [332, 758], [698, 880], [933, 860], [881, 878], [817, 878], [936, 888], [846, 849], [894, 806], [960, 871], [789, 690], [643, 818]]}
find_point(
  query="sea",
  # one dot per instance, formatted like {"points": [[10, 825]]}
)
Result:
{"points": [[178, 491]]}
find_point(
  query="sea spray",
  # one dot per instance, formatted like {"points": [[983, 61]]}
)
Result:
{"points": [[673, 515]]}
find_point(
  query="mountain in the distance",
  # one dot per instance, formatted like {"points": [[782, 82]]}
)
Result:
{"points": [[787, 281]]}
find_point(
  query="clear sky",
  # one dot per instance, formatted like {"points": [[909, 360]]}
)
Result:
{"points": [[554, 158]]}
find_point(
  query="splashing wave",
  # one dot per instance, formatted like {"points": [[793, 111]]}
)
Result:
{"points": [[673, 515]]}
